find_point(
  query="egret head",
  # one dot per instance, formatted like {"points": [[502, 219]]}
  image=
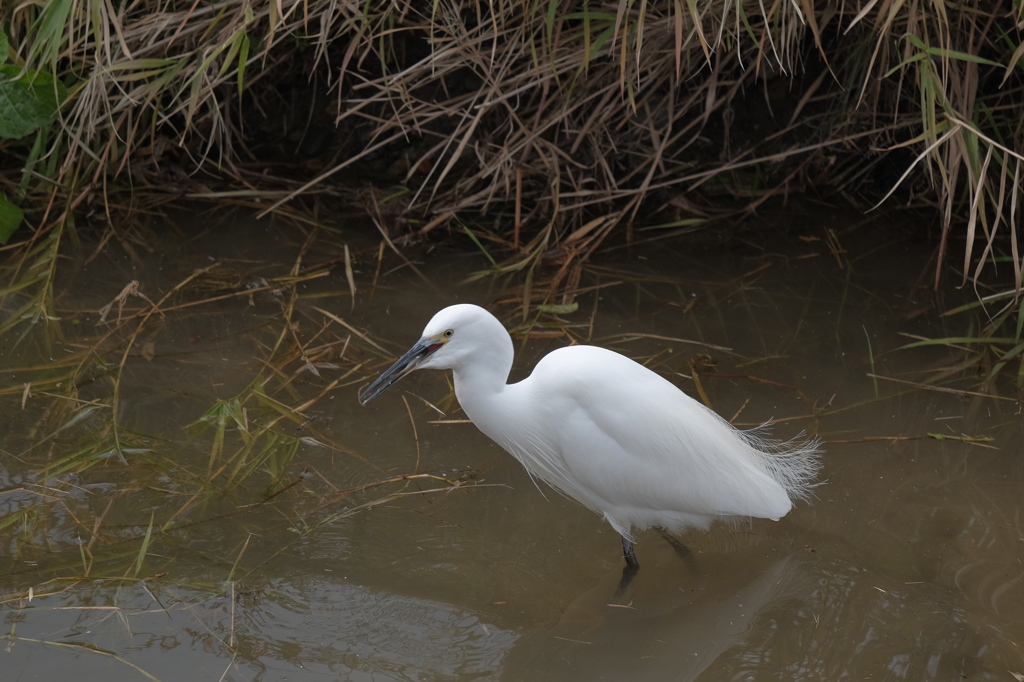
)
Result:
{"points": [[452, 335]]}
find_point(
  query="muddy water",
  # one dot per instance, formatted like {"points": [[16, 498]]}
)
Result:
{"points": [[907, 565]]}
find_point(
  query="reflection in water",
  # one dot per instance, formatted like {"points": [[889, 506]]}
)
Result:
{"points": [[672, 634]]}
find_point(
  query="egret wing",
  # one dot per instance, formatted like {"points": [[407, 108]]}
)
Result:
{"points": [[641, 450]]}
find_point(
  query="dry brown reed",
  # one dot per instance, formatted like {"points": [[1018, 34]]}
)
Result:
{"points": [[561, 121], [540, 131]]}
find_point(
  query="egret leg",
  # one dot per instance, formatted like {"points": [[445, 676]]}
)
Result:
{"points": [[631, 568], [628, 554]]}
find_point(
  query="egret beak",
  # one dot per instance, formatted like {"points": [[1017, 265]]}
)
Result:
{"points": [[406, 364]]}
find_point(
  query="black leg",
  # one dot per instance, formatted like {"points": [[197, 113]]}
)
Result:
{"points": [[631, 568], [628, 554]]}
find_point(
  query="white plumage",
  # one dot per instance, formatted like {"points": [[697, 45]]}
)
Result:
{"points": [[608, 432]]}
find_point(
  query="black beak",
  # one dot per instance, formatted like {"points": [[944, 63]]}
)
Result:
{"points": [[406, 364]]}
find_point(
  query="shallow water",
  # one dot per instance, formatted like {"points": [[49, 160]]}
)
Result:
{"points": [[908, 564]]}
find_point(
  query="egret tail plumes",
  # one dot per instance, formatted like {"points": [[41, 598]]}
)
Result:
{"points": [[794, 463], [610, 433]]}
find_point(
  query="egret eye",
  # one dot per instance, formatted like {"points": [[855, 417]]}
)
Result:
{"points": [[448, 333]]}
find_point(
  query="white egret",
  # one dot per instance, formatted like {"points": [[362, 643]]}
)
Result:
{"points": [[610, 433]]}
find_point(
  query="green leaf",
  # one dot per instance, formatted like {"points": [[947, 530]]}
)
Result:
{"points": [[28, 100], [961, 340], [949, 54], [555, 309], [3, 47], [243, 59], [479, 245], [10, 218], [51, 30]]}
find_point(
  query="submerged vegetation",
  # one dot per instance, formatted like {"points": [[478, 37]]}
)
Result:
{"points": [[81, 453]]}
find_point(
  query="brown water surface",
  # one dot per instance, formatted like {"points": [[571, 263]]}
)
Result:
{"points": [[189, 564]]}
